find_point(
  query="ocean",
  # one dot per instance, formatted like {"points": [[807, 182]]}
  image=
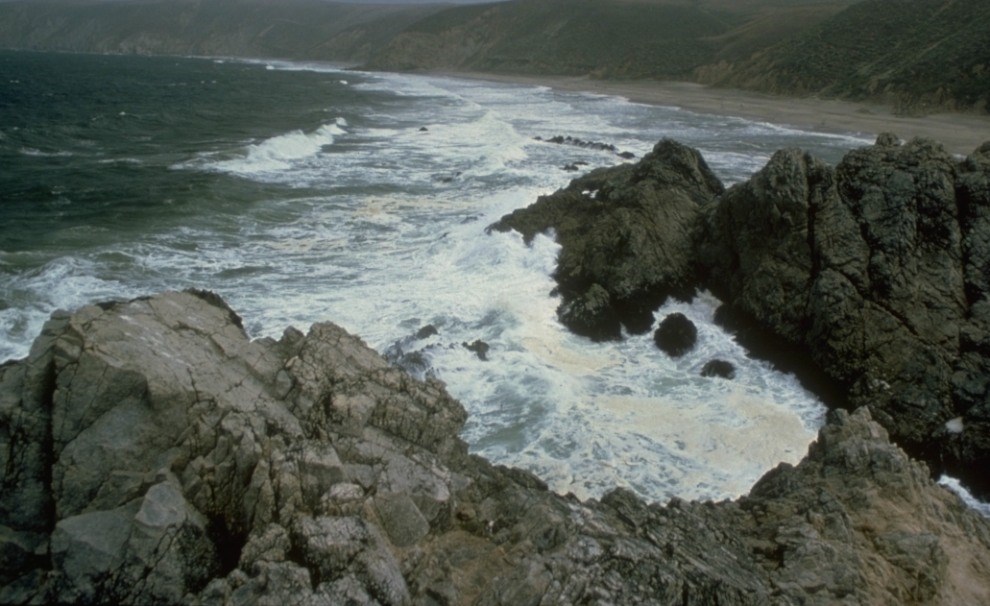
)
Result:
{"points": [[306, 192]]}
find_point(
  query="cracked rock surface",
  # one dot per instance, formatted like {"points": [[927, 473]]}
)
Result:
{"points": [[151, 453], [870, 279]]}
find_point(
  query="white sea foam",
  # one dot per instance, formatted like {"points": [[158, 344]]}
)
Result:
{"points": [[956, 486], [30, 151], [393, 238]]}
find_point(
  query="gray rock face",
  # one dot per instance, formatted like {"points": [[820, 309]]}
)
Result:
{"points": [[151, 453]]}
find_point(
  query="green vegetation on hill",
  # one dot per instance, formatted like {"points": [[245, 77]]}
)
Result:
{"points": [[601, 37], [298, 29], [920, 55]]}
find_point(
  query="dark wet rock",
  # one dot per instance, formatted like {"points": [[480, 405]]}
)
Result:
{"points": [[625, 231], [627, 155], [591, 314], [410, 354], [576, 142], [414, 362], [871, 279], [479, 347], [427, 331], [718, 368], [874, 269], [676, 335], [151, 453], [423, 129], [887, 139]]}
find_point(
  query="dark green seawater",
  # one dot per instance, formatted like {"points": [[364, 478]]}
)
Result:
{"points": [[306, 193]]}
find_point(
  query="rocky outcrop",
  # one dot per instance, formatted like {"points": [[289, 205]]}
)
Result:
{"points": [[718, 368], [151, 453], [676, 335], [873, 269], [870, 279], [626, 237]]}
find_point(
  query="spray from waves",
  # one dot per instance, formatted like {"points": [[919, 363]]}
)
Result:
{"points": [[955, 486], [61, 283], [586, 417], [281, 153]]}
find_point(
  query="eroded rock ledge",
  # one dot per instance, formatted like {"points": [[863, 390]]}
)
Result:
{"points": [[152, 453], [871, 279]]}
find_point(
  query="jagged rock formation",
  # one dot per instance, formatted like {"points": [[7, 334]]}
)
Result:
{"points": [[626, 234], [151, 453], [872, 278]]}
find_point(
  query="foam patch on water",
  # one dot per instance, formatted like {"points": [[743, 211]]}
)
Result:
{"points": [[37, 153], [586, 417]]}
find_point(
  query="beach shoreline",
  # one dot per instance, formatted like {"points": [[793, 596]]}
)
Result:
{"points": [[960, 133]]}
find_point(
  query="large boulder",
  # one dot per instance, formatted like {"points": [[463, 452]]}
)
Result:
{"points": [[871, 279], [625, 236], [877, 270], [676, 335], [151, 453]]}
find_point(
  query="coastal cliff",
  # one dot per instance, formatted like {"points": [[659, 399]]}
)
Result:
{"points": [[152, 453]]}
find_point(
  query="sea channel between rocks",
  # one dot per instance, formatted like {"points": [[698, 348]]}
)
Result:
{"points": [[152, 452]]}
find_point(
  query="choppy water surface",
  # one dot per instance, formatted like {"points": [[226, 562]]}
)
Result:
{"points": [[305, 193]]}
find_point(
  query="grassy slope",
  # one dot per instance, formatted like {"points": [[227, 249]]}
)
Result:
{"points": [[602, 37], [919, 54], [299, 29]]}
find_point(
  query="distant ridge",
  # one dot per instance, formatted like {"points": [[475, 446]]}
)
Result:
{"points": [[602, 38], [917, 55], [295, 29]]}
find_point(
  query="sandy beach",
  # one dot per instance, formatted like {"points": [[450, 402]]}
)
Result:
{"points": [[960, 133]]}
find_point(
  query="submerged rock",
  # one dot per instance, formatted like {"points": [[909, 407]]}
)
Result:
{"points": [[479, 347], [151, 453], [718, 368]]}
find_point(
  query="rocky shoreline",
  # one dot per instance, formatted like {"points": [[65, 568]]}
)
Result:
{"points": [[870, 280], [152, 453]]}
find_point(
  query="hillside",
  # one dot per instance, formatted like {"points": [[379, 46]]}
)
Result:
{"points": [[604, 38], [918, 55], [301, 29]]}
